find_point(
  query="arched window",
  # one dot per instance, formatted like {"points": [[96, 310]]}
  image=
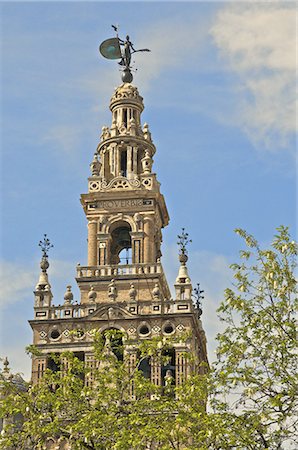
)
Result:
{"points": [[121, 244]]}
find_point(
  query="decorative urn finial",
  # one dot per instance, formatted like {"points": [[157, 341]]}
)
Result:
{"points": [[92, 294], [156, 292], [68, 296], [95, 166], [132, 292]]}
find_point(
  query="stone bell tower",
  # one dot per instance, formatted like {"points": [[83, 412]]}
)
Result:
{"points": [[123, 286], [124, 206]]}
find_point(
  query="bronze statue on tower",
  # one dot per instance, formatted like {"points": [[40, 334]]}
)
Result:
{"points": [[116, 48]]}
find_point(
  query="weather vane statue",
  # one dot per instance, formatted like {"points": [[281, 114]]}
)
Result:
{"points": [[116, 48]]}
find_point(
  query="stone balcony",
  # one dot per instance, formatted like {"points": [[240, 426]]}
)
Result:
{"points": [[126, 270]]}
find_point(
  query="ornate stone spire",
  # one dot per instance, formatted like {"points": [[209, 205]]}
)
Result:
{"points": [[183, 241], [43, 282], [43, 293]]}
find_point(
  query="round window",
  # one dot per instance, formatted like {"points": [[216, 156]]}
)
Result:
{"points": [[55, 334], [144, 330], [168, 329]]}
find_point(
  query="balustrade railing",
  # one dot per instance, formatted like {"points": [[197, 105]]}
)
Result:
{"points": [[118, 270]]}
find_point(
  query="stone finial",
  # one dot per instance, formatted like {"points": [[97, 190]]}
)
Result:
{"points": [[105, 133], [132, 126], [156, 292], [95, 166], [114, 128], [68, 296], [112, 290], [6, 365], [132, 292], [147, 162], [147, 134], [92, 294]]}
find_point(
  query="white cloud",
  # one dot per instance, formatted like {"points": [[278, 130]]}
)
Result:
{"points": [[173, 43], [19, 280], [16, 281], [257, 42]]}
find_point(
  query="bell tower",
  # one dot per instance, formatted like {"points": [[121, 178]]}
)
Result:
{"points": [[123, 286], [124, 207]]}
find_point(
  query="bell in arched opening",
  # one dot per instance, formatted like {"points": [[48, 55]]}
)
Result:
{"points": [[121, 245]]}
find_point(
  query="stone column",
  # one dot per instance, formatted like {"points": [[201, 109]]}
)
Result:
{"points": [[135, 161], [92, 243], [148, 241], [136, 241], [129, 160], [155, 371], [91, 364], [181, 367], [132, 362], [39, 366]]}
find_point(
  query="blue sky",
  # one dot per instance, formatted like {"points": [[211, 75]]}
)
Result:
{"points": [[218, 89]]}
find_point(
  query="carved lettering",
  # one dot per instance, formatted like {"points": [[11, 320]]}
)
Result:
{"points": [[116, 204]]}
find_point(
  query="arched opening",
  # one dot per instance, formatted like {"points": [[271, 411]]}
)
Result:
{"points": [[125, 117], [121, 244], [116, 341], [169, 367], [54, 364], [123, 163], [145, 368]]}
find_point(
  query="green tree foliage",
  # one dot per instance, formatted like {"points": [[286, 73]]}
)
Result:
{"points": [[256, 372], [251, 388]]}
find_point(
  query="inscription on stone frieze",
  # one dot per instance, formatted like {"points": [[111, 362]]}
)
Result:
{"points": [[115, 204]]}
